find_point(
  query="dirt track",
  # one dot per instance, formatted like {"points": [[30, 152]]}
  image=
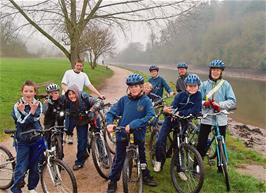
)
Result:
{"points": [[88, 179]]}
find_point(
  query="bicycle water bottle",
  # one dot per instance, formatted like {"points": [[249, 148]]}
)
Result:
{"points": [[131, 138]]}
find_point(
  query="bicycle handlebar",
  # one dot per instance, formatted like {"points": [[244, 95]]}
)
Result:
{"points": [[225, 112]]}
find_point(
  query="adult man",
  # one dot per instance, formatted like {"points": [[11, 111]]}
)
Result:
{"points": [[182, 72], [77, 77]]}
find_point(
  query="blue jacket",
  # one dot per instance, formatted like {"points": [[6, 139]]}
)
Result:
{"points": [[135, 113], [158, 85], [187, 104], [26, 121], [225, 97]]}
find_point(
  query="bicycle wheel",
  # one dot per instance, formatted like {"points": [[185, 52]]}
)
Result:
{"points": [[57, 143], [224, 165], [101, 156], [7, 165], [132, 175], [152, 146], [58, 177], [110, 139], [188, 162], [193, 133]]}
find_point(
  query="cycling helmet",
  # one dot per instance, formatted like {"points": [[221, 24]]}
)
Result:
{"points": [[52, 87], [192, 79], [217, 64], [153, 67], [182, 65], [134, 79]]}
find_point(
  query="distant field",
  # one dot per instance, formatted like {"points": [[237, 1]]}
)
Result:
{"points": [[14, 71]]}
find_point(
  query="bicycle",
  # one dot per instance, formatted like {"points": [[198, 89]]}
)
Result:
{"points": [[55, 175], [185, 159], [131, 172], [101, 154], [56, 135], [220, 147]]}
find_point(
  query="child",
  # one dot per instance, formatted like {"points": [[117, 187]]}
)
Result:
{"points": [[158, 83], [52, 106], [186, 103], [26, 113], [148, 91], [135, 110], [80, 108], [217, 94]]}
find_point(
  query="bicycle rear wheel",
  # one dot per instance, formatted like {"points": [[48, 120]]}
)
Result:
{"points": [[58, 177], [101, 156], [7, 165], [224, 165], [132, 176], [152, 146], [191, 169]]}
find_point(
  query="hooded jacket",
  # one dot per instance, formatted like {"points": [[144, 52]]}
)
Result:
{"points": [[82, 106]]}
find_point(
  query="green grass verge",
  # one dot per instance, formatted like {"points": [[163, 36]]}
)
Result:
{"points": [[14, 71]]}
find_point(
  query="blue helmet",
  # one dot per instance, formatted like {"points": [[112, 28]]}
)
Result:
{"points": [[182, 65], [134, 79], [192, 79], [153, 67], [217, 64]]}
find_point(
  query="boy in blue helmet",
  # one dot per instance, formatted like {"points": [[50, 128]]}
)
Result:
{"points": [[217, 94], [182, 74], [158, 83], [135, 110], [185, 103]]}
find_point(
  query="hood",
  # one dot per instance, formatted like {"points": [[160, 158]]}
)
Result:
{"points": [[73, 88]]}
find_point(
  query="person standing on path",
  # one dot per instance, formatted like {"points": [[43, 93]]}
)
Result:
{"points": [[77, 77], [182, 74]]}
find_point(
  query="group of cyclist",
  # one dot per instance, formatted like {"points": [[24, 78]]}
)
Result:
{"points": [[135, 110]]}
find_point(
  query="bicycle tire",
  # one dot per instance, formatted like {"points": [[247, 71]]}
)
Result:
{"points": [[152, 147], [195, 174], [224, 165], [127, 173], [61, 173], [111, 143], [212, 152], [6, 170], [102, 169]]}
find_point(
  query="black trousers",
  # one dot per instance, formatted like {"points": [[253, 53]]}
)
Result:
{"points": [[203, 137]]}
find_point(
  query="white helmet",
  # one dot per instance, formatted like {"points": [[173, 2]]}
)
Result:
{"points": [[52, 87]]}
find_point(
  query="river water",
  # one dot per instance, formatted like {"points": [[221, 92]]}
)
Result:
{"points": [[250, 94]]}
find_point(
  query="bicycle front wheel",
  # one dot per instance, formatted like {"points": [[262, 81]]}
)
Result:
{"points": [[132, 176], [58, 177], [57, 142], [101, 156], [152, 146], [7, 165], [224, 165], [187, 170]]}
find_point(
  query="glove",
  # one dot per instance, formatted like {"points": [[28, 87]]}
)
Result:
{"points": [[207, 104], [216, 107], [90, 115]]}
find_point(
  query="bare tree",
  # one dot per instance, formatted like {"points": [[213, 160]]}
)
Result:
{"points": [[54, 18], [96, 42]]}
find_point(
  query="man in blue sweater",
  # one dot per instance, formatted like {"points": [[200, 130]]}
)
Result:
{"points": [[158, 83], [185, 103], [135, 110]]}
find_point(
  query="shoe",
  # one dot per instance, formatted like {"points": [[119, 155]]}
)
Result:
{"points": [[33, 191], [69, 139], [157, 166], [182, 176], [148, 180], [77, 167], [112, 186]]}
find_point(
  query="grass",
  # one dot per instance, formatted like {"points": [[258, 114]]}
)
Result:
{"points": [[14, 72], [214, 183]]}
